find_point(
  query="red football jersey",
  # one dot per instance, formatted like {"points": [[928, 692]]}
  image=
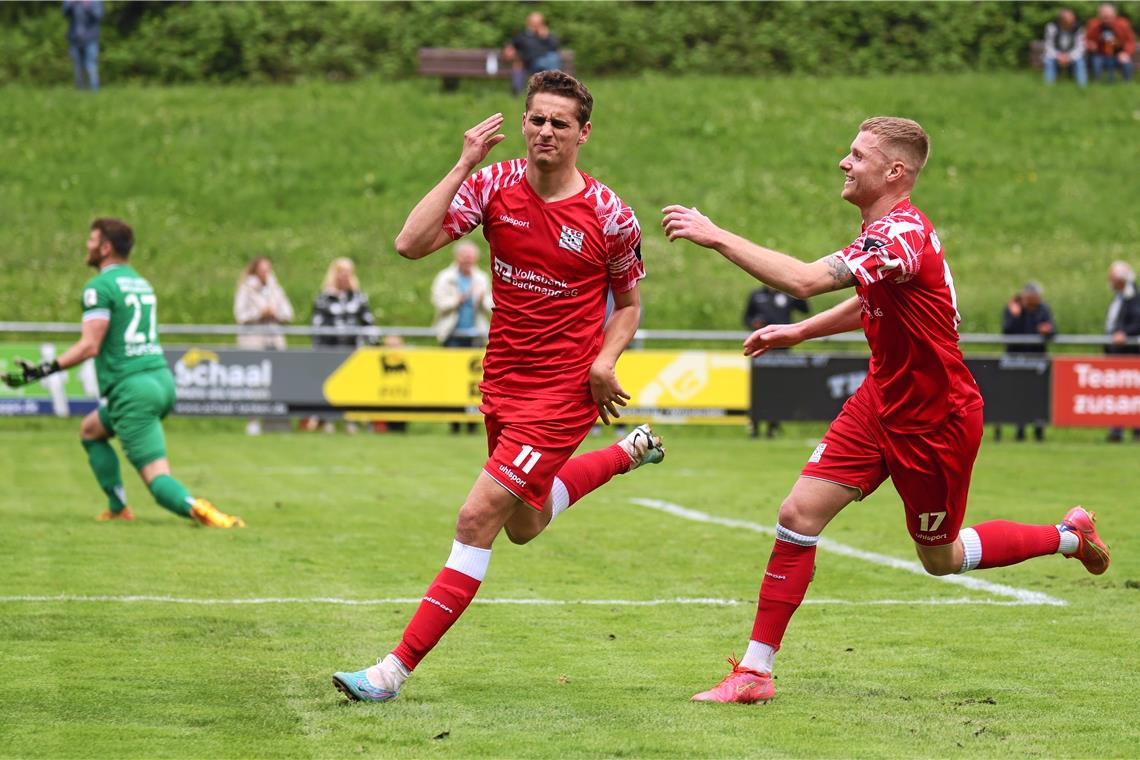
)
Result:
{"points": [[910, 316], [552, 266]]}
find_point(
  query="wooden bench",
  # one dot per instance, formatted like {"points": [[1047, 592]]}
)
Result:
{"points": [[453, 64], [1037, 56]]}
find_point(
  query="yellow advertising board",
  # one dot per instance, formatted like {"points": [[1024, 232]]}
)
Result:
{"points": [[703, 387]]}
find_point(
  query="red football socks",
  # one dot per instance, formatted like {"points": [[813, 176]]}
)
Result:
{"points": [[446, 599], [1007, 543], [786, 580], [587, 472]]}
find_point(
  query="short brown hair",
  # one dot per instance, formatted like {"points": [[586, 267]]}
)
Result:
{"points": [[118, 233], [561, 83], [902, 136]]}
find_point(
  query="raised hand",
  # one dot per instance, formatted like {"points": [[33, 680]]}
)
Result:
{"points": [[478, 141]]}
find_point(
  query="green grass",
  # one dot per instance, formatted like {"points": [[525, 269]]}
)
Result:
{"points": [[371, 517], [1024, 182]]}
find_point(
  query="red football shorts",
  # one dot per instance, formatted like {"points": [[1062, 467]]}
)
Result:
{"points": [[931, 470], [529, 440]]}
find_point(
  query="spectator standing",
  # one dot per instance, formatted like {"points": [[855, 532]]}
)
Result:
{"points": [[1121, 323], [1111, 42], [461, 295], [1027, 314], [260, 301], [1065, 48], [767, 306], [83, 18], [342, 305], [532, 50]]}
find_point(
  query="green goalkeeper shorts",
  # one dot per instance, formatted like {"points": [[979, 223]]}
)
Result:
{"points": [[134, 411]]}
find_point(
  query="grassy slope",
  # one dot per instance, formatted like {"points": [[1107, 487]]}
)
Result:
{"points": [[1023, 182], [371, 517]]}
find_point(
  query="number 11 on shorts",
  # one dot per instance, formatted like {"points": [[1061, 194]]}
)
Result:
{"points": [[527, 451]]}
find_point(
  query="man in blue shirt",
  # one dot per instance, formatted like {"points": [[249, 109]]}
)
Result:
{"points": [[83, 17]]}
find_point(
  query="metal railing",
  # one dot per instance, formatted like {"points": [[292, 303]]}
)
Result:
{"points": [[377, 333]]}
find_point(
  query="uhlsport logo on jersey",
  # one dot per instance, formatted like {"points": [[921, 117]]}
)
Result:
{"points": [[202, 375], [520, 223], [571, 239]]}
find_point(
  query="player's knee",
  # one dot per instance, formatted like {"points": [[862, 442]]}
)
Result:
{"points": [[90, 430], [794, 517], [474, 527]]}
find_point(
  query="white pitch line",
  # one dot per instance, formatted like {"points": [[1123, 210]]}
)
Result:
{"points": [[1020, 595], [140, 599]]}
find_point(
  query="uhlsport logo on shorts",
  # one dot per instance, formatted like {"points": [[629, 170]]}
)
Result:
{"points": [[571, 239]]}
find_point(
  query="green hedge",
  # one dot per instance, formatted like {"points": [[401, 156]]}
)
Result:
{"points": [[281, 42]]}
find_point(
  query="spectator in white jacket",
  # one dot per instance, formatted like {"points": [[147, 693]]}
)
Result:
{"points": [[461, 295], [261, 303]]}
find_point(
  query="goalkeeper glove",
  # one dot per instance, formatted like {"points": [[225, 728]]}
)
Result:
{"points": [[29, 373]]}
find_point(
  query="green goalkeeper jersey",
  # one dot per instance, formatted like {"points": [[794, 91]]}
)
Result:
{"points": [[119, 294]]}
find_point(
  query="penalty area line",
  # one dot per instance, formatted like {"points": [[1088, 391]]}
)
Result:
{"points": [[682, 601], [1020, 596]]}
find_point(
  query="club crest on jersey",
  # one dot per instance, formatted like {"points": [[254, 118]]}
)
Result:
{"points": [[571, 239], [504, 270]]}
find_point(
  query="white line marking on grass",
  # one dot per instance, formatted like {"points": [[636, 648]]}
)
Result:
{"points": [[1019, 595], [141, 599]]}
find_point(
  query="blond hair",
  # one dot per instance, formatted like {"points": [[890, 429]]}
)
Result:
{"points": [[329, 285], [906, 139]]}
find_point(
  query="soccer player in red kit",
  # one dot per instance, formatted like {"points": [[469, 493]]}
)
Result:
{"points": [[560, 242], [917, 418]]}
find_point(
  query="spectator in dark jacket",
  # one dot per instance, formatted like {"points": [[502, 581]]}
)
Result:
{"points": [[1027, 314], [1122, 324], [1111, 43], [1065, 48], [767, 306], [341, 304], [532, 50], [771, 307], [83, 17]]}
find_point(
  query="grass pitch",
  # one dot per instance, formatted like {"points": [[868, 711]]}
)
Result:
{"points": [[881, 663]]}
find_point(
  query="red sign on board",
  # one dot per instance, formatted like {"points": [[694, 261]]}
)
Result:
{"points": [[1096, 391]]}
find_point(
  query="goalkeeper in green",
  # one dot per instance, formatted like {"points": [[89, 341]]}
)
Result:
{"points": [[120, 329]]}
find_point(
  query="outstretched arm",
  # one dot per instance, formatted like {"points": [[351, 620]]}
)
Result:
{"points": [[843, 317], [423, 230], [797, 278], [90, 340]]}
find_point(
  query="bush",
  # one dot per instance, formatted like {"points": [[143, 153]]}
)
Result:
{"points": [[281, 42]]}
